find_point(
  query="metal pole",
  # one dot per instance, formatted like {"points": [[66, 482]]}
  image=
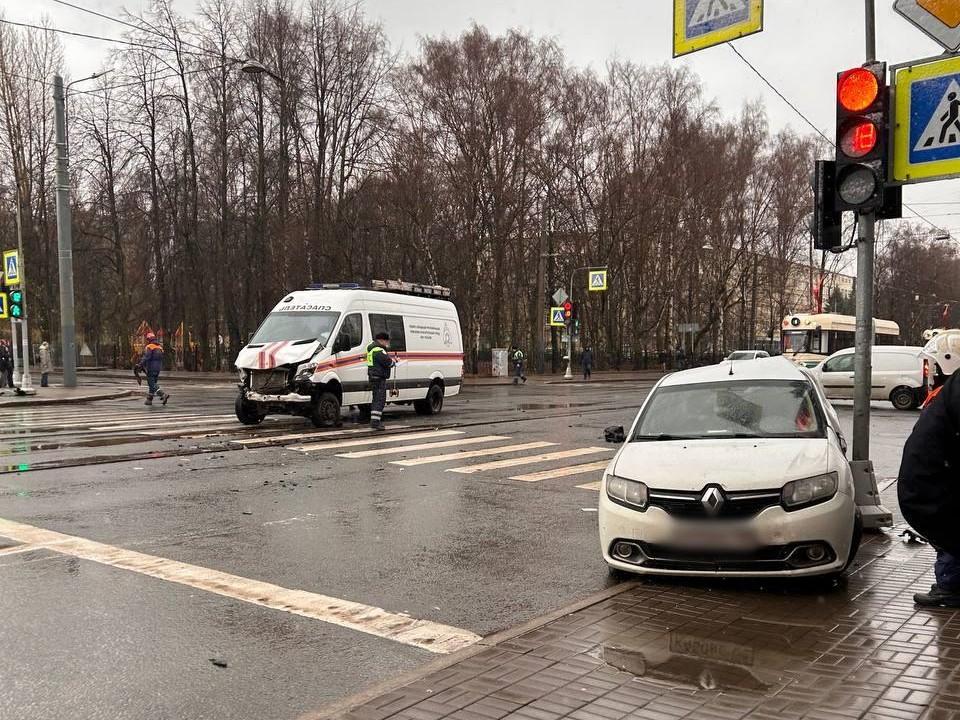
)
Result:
{"points": [[871, 30], [541, 272], [68, 341], [25, 381], [863, 365], [568, 375]]}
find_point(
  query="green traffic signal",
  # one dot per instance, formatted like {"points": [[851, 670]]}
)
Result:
{"points": [[15, 301]]}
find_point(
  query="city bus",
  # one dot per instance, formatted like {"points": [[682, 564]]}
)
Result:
{"points": [[809, 339]]}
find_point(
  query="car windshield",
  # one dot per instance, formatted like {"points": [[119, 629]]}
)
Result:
{"points": [[296, 327], [748, 408]]}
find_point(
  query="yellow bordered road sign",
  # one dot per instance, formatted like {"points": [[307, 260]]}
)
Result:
{"points": [[598, 281], [926, 136], [3, 306], [556, 317], [699, 24], [940, 19], [11, 267]]}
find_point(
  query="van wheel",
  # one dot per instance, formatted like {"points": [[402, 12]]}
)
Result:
{"points": [[247, 412], [433, 403], [904, 398], [326, 411]]}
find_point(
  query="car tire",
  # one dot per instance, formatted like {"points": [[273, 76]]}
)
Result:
{"points": [[432, 404], [247, 412], [326, 411], [904, 398]]}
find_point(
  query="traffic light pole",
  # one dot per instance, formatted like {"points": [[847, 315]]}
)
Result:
{"points": [[68, 340], [867, 496]]}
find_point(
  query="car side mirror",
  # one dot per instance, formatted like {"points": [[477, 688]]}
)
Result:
{"points": [[342, 343], [614, 434]]}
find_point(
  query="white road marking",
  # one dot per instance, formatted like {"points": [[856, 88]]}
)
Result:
{"points": [[17, 549], [400, 437], [268, 439], [423, 446], [594, 486], [423, 634], [561, 472], [207, 431], [472, 453], [217, 419], [512, 462]]}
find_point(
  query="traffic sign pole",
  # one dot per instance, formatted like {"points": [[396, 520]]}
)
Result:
{"points": [[867, 496], [68, 329]]}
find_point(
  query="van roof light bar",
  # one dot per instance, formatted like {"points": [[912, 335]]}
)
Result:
{"points": [[408, 288], [333, 286]]}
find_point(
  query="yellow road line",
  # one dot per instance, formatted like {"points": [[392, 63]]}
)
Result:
{"points": [[472, 453], [512, 462], [422, 446], [561, 472], [423, 634]]}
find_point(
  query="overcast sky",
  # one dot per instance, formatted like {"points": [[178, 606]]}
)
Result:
{"points": [[803, 45]]}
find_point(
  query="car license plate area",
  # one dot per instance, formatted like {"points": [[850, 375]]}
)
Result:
{"points": [[712, 537]]}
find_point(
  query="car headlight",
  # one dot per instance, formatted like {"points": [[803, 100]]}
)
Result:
{"points": [[627, 492], [809, 491], [306, 370]]}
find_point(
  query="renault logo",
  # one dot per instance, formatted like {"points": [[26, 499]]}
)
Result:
{"points": [[712, 500]]}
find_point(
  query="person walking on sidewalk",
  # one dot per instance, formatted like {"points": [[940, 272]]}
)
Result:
{"points": [[6, 365], [927, 485], [152, 363], [586, 363], [46, 364], [517, 358], [379, 365]]}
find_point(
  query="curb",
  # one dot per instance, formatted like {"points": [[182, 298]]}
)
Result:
{"points": [[20, 402], [340, 708]]}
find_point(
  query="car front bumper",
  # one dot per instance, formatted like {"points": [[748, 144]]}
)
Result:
{"points": [[779, 540]]}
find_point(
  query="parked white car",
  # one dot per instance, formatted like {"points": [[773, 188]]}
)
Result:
{"points": [[899, 375], [731, 470], [747, 355]]}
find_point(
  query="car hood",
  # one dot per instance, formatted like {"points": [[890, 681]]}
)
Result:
{"points": [[734, 464], [271, 355]]}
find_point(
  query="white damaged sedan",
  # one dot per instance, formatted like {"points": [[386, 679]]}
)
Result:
{"points": [[737, 469]]}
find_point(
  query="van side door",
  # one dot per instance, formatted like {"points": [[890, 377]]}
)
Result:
{"points": [[393, 326], [836, 376], [348, 350]]}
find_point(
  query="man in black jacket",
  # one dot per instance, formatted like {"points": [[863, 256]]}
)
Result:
{"points": [[379, 365], [928, 487]]}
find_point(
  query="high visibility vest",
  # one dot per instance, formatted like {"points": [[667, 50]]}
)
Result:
{"points": [[372, 349]]}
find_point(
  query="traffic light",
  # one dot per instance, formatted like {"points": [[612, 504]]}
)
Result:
{"points": [[827, 221], [863, 122], [567, 310], [15, 303]]}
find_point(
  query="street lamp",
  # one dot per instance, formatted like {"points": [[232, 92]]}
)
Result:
{"points": [[255, 67]]}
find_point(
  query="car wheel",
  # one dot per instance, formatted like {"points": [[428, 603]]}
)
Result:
{"points": [[247, 412], [433, 403], [326, 410], [904, 398]]}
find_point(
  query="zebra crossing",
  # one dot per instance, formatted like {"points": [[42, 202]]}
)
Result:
{"points": [[452, 447]]}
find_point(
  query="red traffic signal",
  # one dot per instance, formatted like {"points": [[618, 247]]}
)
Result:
{"points": [[567, 306], [857, 89], [862, 144]]}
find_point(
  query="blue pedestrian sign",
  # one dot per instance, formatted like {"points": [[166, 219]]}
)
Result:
{"points": [[557, 318], [11, 267], [3, 307], [699, 24], [926, 139]]}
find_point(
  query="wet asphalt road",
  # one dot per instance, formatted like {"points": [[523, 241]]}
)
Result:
{"points": [[90, 631]]}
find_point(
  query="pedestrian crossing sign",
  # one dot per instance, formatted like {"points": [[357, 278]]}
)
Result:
{"points": [[556, 317], [926, 139], [11, 267], [3, 306], [699, 24], [598, 281]]}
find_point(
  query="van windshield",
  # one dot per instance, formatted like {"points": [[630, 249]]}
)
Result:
{"points": [[296, 327]]}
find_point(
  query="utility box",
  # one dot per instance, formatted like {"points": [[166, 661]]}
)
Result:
{"points": [[500, 362]]}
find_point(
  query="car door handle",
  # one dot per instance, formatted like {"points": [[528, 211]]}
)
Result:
{"points": [[852, 377]]}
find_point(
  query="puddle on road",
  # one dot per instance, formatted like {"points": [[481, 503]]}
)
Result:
{"points": [[745, 655]]}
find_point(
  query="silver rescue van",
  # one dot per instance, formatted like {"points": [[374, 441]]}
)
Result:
{"points": [[308, 357]]}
